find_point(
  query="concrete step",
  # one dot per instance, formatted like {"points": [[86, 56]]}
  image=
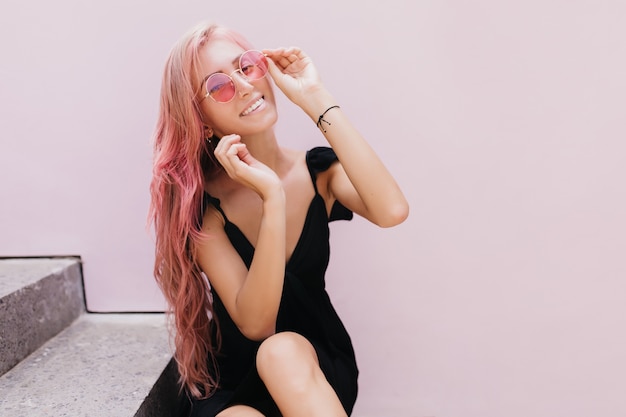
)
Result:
{"points": [[39, 297], [101, 365], [61, 361]]}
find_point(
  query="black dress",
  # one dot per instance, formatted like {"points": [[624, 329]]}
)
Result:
{"points": [[305, 308]]}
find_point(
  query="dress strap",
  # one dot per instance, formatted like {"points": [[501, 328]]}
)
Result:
{"points": [[318, 160], [208, 199]]}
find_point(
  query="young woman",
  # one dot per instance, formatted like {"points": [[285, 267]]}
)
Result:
{"points": [[242, 228]]}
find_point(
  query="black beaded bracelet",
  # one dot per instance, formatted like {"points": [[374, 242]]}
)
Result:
{"points": [[321, 118]]}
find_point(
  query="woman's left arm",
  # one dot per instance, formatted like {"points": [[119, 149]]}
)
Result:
{"points": [[361, 182]]}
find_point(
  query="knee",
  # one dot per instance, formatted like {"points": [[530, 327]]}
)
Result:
{"points": [[287, 356], [240, 411]]}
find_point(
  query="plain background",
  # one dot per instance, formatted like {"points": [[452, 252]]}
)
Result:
{"points": [[502, 295]]}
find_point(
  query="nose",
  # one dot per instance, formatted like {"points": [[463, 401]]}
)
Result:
{"points": [[242, 84]]}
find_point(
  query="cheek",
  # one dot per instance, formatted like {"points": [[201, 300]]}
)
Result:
{"points": [[269, 91], [215, 115]]}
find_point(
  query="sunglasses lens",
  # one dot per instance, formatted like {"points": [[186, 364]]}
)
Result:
{"points": [[220, 87], [253, 65]]}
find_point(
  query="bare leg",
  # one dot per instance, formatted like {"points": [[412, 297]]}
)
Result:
{"points": [[240, 411], [288, 365]]}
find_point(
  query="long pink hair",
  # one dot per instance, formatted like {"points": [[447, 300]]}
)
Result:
{"points": [[182, 162]]}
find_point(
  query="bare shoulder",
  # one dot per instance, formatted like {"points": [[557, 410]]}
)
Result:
{"points": [[212, 221], [322, 179]]}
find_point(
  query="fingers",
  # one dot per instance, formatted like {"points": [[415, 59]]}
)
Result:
{"points": [[229, 151], [225, 143], [292, 52], [235, 157], [284, 57], [278, 74], [273, 69], [243, 168]]}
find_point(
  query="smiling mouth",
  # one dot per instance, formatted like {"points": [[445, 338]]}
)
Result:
{"points": [[254, 106]]}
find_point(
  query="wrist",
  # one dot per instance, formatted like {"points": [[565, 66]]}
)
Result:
{"points": [[274, 198], [316, 102], [275, 210], [321, 121]]}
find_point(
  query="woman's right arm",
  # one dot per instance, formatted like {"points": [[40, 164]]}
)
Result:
{"points": [[251, 296]]}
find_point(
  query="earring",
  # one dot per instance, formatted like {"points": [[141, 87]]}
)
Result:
{"points": [[209, 134]]}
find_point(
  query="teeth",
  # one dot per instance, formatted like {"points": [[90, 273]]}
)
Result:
{"points": [[253, 107]]}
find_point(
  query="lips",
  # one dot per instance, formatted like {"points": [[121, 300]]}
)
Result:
{"points": [[253, 107]]}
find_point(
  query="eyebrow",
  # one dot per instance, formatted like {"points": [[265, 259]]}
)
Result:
{"points": [[234, 62]]}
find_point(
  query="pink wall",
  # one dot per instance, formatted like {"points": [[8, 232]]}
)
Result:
{"points": [[504, 293]]}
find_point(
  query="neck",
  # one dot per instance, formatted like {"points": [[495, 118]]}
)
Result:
{"points": [[264, 147]]}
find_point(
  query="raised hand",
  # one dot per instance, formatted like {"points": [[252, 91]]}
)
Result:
{"points": [[293, 72], [242, 167]]}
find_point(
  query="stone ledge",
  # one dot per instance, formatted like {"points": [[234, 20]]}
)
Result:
{"points": [[39, 297], [102, 365]]}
